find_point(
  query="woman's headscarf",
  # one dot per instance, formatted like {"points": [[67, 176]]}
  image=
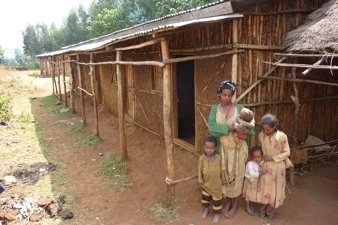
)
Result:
{"points": [[227, 84]]}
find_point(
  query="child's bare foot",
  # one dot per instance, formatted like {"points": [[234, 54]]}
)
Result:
{"points": [[231, 214], [250, 210], [215, 219], [205, 213]]}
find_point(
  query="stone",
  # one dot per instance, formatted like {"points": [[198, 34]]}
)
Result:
{"points": [[45, 201], [10, 214], [36, 216], [9, 180], [66, 215], [63, 110]]}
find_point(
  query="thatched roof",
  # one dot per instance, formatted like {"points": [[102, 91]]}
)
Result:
{"points": [[318, 34]]}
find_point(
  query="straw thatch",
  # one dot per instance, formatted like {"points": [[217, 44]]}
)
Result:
{"points": [[318, 34]]}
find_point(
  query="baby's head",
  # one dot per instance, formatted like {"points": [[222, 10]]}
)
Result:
{"points": [[246, 115], [210, 145], [256, 154]]}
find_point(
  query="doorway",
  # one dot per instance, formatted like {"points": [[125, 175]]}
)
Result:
{"points": [[185, 91]]}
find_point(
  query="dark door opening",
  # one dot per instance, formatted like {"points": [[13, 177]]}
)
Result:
{"points": [[186, 101]]}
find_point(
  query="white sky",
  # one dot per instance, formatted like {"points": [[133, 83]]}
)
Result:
{"points": [[16, 14]]}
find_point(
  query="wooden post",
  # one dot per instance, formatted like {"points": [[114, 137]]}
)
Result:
{"points": [[71, 79], [295, 99], [92, 74], [64, 80], [168, 117], [234, 65], [59, 79], [120, 90], [81, 92]]}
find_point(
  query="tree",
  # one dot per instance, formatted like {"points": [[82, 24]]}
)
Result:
{"points": [[2, 55], [31, 42]]}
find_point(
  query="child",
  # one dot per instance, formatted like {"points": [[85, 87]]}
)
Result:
{"points": [[252, 172], [243, 123], [211, 178]]}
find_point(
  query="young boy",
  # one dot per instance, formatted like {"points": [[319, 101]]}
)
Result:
{"points": [[211, 178]]}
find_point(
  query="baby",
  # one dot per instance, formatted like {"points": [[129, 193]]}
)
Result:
{"points": [[243, 123]]}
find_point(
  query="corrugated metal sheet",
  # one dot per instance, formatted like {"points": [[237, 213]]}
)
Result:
{"points": [[100, 44]]}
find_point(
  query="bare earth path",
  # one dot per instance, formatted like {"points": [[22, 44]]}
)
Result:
{"points": [[313, 201]]}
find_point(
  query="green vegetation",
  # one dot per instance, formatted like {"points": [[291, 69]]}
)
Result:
{"points": [[78, 125], [53, 105], [116, 168], [91, 139], [5, 108], [167, 210]]}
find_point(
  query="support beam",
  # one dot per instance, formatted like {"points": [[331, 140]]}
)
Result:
{"points": [[234, 63], [315, 64], [168, 117], [81, 93], [59, 80], [295, 99], [72, 86], [64, 81], [259, 81], [144, 44], [322, 67], [200, 57], [92, 74], [327, 55], [300, 80], [120, 94]]}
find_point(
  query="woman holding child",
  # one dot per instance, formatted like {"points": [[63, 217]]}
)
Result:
{"points": [[231, 146]]}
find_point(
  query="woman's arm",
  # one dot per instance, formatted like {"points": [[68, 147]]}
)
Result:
{"points": [[215, 129]]}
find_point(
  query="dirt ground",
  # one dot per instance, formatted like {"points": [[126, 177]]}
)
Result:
{"points": [[313, 201]]}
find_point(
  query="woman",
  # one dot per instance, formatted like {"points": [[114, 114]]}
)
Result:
{"points": [[221, 125], [271, 186]]}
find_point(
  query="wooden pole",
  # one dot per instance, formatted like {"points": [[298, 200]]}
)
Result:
{"points": [[142, 45], [72, 86], [59, 79], [234, 66], [322, 67], [81, 93], [316, 63], [64, 81], [168, 117], [120, 90], [92, 74], [52, 74], [300, 80], [295, 99], [327, 55]]}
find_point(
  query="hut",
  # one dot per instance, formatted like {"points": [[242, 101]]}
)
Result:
{"points": [[163, 74]]}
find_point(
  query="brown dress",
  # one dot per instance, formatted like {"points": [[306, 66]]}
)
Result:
{"points": [[271, 186]]}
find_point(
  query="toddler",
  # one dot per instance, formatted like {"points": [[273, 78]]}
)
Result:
{"points": [[211, 178], [243, 123]]}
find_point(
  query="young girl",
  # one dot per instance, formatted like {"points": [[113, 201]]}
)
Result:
{"points": [[276, 152], [211, 178], [252, 172]]}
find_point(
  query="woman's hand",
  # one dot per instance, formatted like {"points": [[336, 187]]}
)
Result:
{"points": [[268, 158]]}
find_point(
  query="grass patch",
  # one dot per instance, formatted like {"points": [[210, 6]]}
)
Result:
{"points": [[51, 103], [78, 125], [167, 210], [91, 139], [5, 108], [115, 167]]}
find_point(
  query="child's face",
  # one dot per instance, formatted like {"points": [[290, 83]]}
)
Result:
{"points": [[268, 130], [257, 156], [209, 148]]}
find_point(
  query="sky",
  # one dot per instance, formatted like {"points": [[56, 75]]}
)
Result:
{"points": [[16, 14]]}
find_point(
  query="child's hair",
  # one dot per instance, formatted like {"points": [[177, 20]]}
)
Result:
{"points": [[211, 139], [271, 121], [256, 148]]}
